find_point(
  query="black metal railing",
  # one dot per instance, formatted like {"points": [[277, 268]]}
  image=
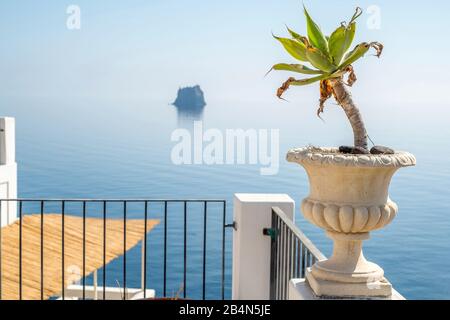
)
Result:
{"points": [[291, 254], [186, 226]]}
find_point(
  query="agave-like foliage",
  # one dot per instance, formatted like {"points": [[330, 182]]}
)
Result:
{"points": [[329, 57]]}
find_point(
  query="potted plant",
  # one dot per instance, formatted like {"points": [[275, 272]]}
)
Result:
{"points": [[348, 185]]}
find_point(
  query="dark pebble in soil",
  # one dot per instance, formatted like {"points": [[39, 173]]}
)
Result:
{"points": [[345, 149], [381, 150]]}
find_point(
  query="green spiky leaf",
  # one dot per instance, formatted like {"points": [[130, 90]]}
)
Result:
{"points": [[295, 35], [358, 52], [294, 48], [299, 68], [340, 41], [307, 81], [319, 60], [315, 35]]}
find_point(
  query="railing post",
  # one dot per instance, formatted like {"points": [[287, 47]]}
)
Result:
{"points": [[251, 248], [8, 171], [143, 247], [95, 285]]}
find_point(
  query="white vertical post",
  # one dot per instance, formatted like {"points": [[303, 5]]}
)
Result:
{"points": [[251, 249], [95, 285], [8, 171], [143, 245]]}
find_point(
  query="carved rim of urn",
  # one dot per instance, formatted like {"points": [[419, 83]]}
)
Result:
{"points": [[332, 156]]}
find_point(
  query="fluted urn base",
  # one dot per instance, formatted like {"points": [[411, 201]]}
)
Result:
{"points": [[380, 288], [347, 273], [348, 198]]}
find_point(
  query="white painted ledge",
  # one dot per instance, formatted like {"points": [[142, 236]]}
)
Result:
{"points": [[75, 292], [299, 289]]}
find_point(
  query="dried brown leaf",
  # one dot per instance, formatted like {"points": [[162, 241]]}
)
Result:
{"points": [[378, 47], [326, 91], [351, 78], [284, 87]]}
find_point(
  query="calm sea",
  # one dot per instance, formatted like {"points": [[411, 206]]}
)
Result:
{"points": [[121, 149]]}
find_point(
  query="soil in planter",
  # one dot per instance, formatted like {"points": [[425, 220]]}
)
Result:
{"points": [[358, 150]]}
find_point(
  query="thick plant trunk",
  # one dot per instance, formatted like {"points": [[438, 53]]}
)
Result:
{"points": [[345, 100]]}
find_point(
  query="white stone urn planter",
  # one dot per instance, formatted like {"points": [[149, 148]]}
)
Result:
{"points": [[348, 198]]}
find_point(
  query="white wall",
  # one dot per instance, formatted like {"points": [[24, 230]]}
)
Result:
{"points": [[8, 171], [251, 249]]}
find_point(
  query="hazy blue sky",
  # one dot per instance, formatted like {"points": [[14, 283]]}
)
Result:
{"points": [[148, 48]]}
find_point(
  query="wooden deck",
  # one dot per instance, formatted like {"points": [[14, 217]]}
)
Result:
{"points": [[73, 252]]}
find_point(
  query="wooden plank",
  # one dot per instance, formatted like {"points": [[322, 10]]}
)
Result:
{"points": [[73, 251]]}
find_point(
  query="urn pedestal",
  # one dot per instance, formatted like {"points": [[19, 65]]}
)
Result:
{"points": [[348, 199]]}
